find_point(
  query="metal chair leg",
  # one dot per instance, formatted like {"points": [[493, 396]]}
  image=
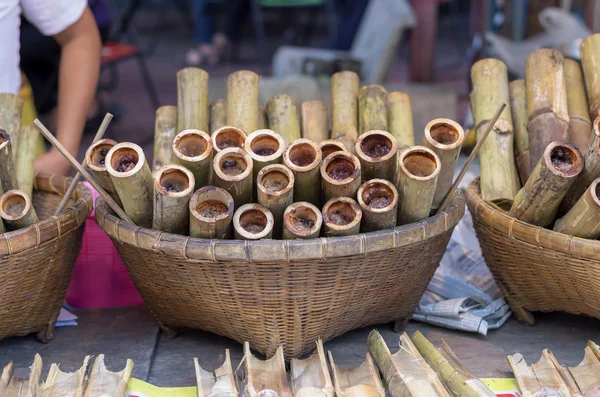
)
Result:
{"points": [[148, 83]]}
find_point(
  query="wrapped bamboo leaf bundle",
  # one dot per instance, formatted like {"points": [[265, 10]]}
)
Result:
{"points": [[104, 383], [233, 172], [265, 147], [218, 115], [362, 381], [253, 222], [192, 99], [10, 117], [537, 203], [329, 146], [242, 100], [211, 213], [95, 158], [165, 129], [8, 173], [400, 119], [342, 216], [173, 188], [499, 179], [372, 109], [132, 178], [344, 104], [541, 378], [268, 375], [302, 220], [378, 200], [221, 383], [583, 220], [275, 191], [16, 210], [378, 155], [283, 117], [590, 59], [580, 124], [341, 175], [518, 108], [315, 120], [193, 149], [11, 386], [310, 377], [228, 136], [587, 374], [59, 383], [303, 157], [25, 161]]}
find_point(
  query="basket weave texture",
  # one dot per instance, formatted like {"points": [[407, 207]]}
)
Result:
{"points": [[537, 269], [37, 262], [289, 293]]}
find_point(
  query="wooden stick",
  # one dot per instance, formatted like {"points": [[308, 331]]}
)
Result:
{"points": [[242, 100], [344, 104], [218, 115], [228, 136], [580, 124], [165, 129], [518, 108], [233, 172], [342, 216], [16, 210], [194, 150], [378, 200], [590, 59], [275, 190], [252, 222], [378, 154], [8, 174], [11, 106], [302, 220], [315, 120], [25, 161], [372, 109], [329, 146], [173, 188], [303, 157], [99, 134], [192, 99], [283, 117], [400, 119], [341, 175], [211, 213], [265, 147]]}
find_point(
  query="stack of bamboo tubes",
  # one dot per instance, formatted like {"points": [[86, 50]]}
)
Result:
{"points": [[232, 169], [547, 141]]}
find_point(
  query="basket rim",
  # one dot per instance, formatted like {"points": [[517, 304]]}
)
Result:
{"points": [[52, 227], [526, 233], [281, 251]]}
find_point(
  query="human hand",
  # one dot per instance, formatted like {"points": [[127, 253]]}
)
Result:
{"points": [[53, 163]]}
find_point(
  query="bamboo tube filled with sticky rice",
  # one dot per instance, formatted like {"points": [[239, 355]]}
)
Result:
{"points": [[400, 119], [378, 155], [266, 147], [580, 124], [315, 120], [173, 188], [342, 216], [372, 109], [242, 100], [587, 374], [378, 200], [192, 99], [303, 157], [226, 137], [329, 146], [233, 172], [211, 213], [8, 173], [283, 117], [302, 220], [253, 222], [218, 115], [341, 175], [165, 129], [518, 108], [193, 149], [590, 59], [344, 103], [16, 210], [95, 158], [583, 220], [10, 117], [275, 191]]}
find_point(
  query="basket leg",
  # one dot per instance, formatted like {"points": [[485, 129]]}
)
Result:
{"points": [[169, 332], [523, 316], [46, 333], [400, 325]]}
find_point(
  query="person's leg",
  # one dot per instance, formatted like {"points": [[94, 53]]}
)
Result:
{"points": [[203, 34], [235, 20]]}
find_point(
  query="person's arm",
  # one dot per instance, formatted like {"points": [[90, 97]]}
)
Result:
{"points": [[78, 78]]}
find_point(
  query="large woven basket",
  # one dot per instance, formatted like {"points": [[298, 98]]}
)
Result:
{"points": [[36, 263], [537, 269], [288, 293]]}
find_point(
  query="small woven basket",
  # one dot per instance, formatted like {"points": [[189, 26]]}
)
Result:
{"points": [[289, 293], [37, 262], [537, 269]]}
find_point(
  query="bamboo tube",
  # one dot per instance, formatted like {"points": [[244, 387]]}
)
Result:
{"points": [[302, 220], [263, 119], [131, 175], [11, 386], [587, 373], [192, 99], [594, 348], [173, 188], [341, 217], [341, 175], [2, 231], [218, 114], [275, 191], [303, 157], [349, 140], [265, 147], [315, 120], [25, 161], [233, 172], [8, 174], [583, 220], [541, 378], [378, 200], [10, 117], [378, 155], [16, 210], [283, 117], [221, 383], [546, 101], [400, 118], [372, 109], [329, 146], [499, 179], [310, 377], [518, 108], [564, 373], [266, 378], [6, 377], [242, 100], [419, 171], [228, 136], [537, 203], [59, 383], [95, 158], [211, 213], [164, 132], [344, 103], [104, 383], [590, 59], [194, 150], [580, 124], [253, 222], [361, 381]]}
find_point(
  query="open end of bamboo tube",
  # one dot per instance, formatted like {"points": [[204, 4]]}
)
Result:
{"points": [[192, 145], [228, 136], [233, 164], [96, 154], [340, 167], [563, 159], [444, 134], [275, 180], [377, 196], [330, 146], [125, 160], [14, 205], [420, 163], [211, 204], [253, 221], [303, 154], [302, 219], [3, 136], [376, 145], [174, 181], [341, 213], [265, 145]]}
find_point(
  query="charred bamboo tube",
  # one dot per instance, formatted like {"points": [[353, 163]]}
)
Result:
{"points": [[587, 373], [194, 150], [372, 109], [378, 200], [266, 147], [445, 138], [283, 117], [266, 376], [218, 115], [16, 210], [329, 146], [362, 381], [173, 188], [518, 108], [192, 99], [263, 119], [583, 220], [315, 120], [541, 378], [580, 125], [221, 383], [164, 132], [537, 203], [233, 172], [211, 213], [310, 377], [546, 101], [253, 222], [303, 157], [71, 383], [103, 382], [341, 175], [25, 162], [8, 173], [275, 191], [344, 104], [95, 158], [341, 217], [242, 100], [131, 175], [228, 136], [378, 155], [302, 220], [590, 59], [10, 117], [419, 171], [400, 119], [499, 179]]}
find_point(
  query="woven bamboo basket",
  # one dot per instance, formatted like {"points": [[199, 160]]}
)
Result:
{"points": [[537, 269], [37, 262], [289, 293]]}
